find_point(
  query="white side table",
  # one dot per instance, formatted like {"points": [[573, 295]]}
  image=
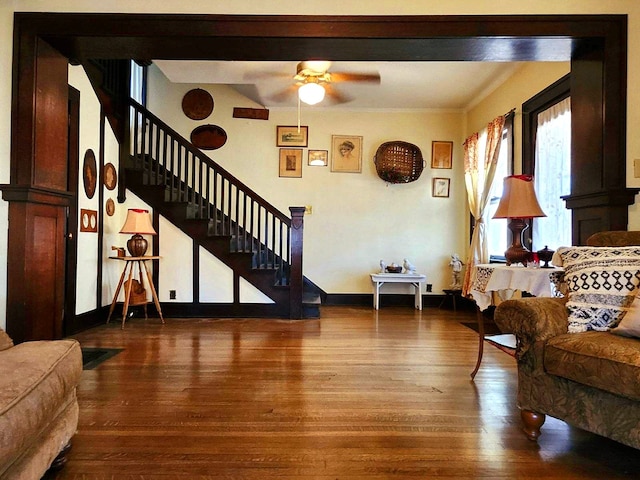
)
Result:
{"points": [[414, 279]]}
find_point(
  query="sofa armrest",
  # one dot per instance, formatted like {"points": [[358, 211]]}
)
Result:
{"points": [[532, 320]]}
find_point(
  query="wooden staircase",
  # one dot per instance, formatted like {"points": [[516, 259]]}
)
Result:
{"points": [[254, 239]]}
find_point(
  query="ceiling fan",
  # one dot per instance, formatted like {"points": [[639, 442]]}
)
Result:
{"points": [[313, 81]]}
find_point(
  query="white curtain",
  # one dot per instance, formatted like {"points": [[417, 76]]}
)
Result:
{"points": [[552, 176], [478, 178]]}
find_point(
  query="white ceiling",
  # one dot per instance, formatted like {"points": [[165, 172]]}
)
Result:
{"points": [[403, 85]]}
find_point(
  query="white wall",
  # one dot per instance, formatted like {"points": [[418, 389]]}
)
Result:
{"points": [[357, 219], [311, 7]]}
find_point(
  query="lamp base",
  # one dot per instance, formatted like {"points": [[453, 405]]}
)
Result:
{"points": [[517, 253], [137, 245]]}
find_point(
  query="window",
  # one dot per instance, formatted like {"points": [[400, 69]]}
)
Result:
{"points": [[137, 88], [552, 176], [497, 232]]}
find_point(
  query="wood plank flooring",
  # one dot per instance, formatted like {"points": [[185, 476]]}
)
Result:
{"points": [[358, 394]]}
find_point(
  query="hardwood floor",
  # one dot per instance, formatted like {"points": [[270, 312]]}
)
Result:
{"points": [[358, 394]]}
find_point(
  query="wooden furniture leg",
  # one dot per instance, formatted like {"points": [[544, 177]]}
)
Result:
{"points": [[146, 317], [532, 422], [480, 318], [127, 296], [153, 292], [115, 297]]}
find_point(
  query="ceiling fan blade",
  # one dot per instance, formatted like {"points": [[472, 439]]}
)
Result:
{"points": [[257, 76], [335, 96], [284, 95], [355, 77]]}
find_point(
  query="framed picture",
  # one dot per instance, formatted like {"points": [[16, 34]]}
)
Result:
{"points": [[440, 187], [88, 220], [290, 136], [441, 154], [346, 153], [89, 173], [110, 176], [318, 158], [291, 162]]}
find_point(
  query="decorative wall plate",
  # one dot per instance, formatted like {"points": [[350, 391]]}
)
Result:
{"points": [[89, 173], [208, 137], [197, 104], [110, 176], [110, 207]]}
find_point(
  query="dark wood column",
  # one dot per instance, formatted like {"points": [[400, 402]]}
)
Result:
{"points": [[599, 198], [38, 196]]}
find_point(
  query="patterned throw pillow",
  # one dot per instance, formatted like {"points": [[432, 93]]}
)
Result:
{"points": [[629, 326], [602, 283]]}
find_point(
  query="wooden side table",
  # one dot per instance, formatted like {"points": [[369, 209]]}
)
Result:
{"points": [[451, 293], [130, 264], [488, 278], [414, 279]]}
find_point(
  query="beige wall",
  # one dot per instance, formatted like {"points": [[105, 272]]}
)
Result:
{"points": [[528, 80], [357, 218], [343, 7]]}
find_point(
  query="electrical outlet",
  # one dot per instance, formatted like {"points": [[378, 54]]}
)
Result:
{"points": [[636, 168], [429, 287], [172, 294], [308, 209]]}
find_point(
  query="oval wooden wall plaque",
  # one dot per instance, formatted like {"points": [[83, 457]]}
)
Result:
{"points": [[208, 137], [197, 104], [89, 173]]}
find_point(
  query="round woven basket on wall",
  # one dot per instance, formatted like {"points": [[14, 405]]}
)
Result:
{"points": [[398, 162]]}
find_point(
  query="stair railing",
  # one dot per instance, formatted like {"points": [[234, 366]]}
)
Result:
{"points": [[232, 208]]}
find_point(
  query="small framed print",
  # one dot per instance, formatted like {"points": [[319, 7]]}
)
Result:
{"points": [[292, 136], [291, 162], [88, 220], [318, 158], [346, 154], [440, 187], [441, 154]]}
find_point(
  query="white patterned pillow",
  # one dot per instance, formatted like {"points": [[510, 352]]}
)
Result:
{"points": [[602, 283]]}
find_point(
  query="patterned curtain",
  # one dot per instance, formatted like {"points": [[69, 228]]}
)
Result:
{"points": [[478, 178]]}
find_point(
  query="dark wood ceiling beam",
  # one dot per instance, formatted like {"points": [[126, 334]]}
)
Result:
{"points": [[403, 38]]}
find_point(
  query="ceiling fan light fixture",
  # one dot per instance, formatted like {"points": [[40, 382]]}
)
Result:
{"points": [[311, 93]]}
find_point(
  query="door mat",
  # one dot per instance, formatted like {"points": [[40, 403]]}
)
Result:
{"points": [[92, 357]]}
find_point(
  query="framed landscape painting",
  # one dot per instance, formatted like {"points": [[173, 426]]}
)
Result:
{"points": [[291, 136]]}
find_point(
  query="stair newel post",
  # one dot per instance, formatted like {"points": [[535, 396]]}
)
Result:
{"points": [[295, 279]]}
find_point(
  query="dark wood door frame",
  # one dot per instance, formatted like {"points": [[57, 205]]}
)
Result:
{"points": [[596, 45], [71, 267]]}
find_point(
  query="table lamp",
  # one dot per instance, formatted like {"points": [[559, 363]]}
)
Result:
{"points": [[138, 223], [518, 203]]}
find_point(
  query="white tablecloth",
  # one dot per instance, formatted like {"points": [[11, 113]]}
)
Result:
{"points": [[539, 282]]}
